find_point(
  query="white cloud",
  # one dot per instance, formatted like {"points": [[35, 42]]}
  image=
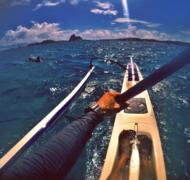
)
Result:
{"points": [[21, 2], [130, 32], [53, 3], [110, 12], [104, 8], [43, 31], [104, 5], [97, 11], [47, 3], [74, 2], [37, 33], [136, 21], [8, 3], [128, 20], [104, 12], [186, 31], [152, 25]]}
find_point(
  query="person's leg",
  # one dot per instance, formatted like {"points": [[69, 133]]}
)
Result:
{"points": [[145, 155], [124, 155], [56, 157]]}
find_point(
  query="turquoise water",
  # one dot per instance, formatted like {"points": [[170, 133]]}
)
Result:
{"points": [[30, 90]]}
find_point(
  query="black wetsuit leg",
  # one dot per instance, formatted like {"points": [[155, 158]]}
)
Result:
{"points": [[54, 160]]}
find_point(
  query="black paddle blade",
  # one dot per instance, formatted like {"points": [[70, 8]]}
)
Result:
{"points": [[160, 74]]}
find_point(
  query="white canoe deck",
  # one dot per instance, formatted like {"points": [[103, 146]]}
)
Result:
{"points": [[146, 125]]}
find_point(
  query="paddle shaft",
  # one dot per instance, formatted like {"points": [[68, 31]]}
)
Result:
{"points": [[160, 74]]}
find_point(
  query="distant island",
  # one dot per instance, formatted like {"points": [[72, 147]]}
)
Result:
{"points": [[155, 40], [150, 40], [74, 37], [43, 42]]}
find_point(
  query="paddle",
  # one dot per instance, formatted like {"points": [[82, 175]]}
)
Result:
{"points": [[160, 74]]}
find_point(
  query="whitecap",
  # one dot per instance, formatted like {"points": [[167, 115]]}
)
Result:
{"points": [[53, 89], [165, 138], [183, 101], [114, 80], [163, 123], [165, 130], [89, 89], [187, 132], [99, 50], [73, 104], [182, 77], [84, 95], [158, 87]]}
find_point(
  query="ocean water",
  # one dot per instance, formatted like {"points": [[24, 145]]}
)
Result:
{"points": [[28, 91]]}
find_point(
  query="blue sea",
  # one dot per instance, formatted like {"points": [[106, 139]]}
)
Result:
{"points": [[28, 91]]}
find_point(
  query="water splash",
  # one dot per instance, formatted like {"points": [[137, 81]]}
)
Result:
{"points": [[125, 9]]}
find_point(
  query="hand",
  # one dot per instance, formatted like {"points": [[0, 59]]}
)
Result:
{"points": [[108, 104]]}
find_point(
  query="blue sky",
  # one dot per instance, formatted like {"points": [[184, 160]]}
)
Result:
{"points": [[27, 21]]}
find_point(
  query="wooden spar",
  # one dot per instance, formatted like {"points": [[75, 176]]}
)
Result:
{"points": [[43, 124]]}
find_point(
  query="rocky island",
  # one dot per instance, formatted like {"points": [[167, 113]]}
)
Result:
{"points": [[75, 38]]}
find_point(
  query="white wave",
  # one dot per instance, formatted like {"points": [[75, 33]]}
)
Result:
{"points": [[114, 80], [183, 101], [161, 86], [187, 132], [89, 89], [163, 122], [165, 138], [183, 77], [55, 90], [94, 161], [100, 50]]}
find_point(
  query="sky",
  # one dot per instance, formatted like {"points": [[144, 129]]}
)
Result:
{"points": [[28, 21]]}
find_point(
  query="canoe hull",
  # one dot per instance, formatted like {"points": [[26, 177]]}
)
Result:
{"points": [[128, 119]]}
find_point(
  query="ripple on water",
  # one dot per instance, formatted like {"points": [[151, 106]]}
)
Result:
{"points": [[89, 89], [98, 146], [161, 86], [163, 122], [55, 90], [183, 100], [187, 132], [61, 66]]}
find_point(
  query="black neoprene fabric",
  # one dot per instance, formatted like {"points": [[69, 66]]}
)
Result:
{"points": [[54, 160]]}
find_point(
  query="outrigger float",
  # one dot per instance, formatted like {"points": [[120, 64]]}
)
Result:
{"points": [[146, 161]]}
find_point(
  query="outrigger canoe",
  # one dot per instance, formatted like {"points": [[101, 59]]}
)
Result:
{"points": [[138, 117]]}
